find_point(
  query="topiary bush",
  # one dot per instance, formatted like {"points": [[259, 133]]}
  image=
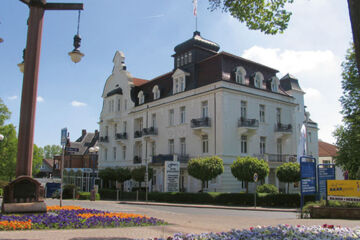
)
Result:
{"points": [[267, 188]]}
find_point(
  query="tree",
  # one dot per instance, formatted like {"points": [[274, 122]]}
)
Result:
{"points": [[107, 175], [244, 169], [8, 146], [205, 168], [288, 173], [38, 156], [271, 17], [52, 150], [138, 174], [348, 135], [122, 175]]}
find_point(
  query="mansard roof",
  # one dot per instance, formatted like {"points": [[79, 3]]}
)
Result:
{"points": [[197, 41], [289, 82]]}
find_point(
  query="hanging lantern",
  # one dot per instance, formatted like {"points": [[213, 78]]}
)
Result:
{"points": [[75, 54]]}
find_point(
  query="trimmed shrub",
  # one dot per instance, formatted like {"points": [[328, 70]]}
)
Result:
{"points": [[1, 191], [86, 196], [267, 188], [68, 191]]}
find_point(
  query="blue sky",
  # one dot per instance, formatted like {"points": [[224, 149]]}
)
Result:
{"points": [[69, 95]]}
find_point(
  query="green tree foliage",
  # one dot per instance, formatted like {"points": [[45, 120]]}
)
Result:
{"points": [[205, 168], [138, 174], [288, 173], [244, 169], [38, 156], [8, 147], [267, 188], [107, 174], [52, 150], [267, 16], [122, 175], [348, 135]]}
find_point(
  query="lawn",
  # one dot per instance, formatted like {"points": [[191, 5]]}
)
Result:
{"points": [[72, 217]]}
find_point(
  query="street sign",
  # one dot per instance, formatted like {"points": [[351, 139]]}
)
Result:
{"points": [[63, 136], [325, 172], [70, 149], [256, 177]]}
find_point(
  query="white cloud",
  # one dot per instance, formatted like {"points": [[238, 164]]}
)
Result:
{"points": [[40, 99], [12, 98], [319, 75], [78, 104]]}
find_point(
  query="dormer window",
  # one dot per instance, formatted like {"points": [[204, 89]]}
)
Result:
{"points": [[179, 81], [141, 97], [182, 84], [156, 92], [258, 81], [274, 84], [240, 75]]}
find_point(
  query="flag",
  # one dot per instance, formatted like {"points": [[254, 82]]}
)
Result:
{"points": [[195, 7], [301, 150]]}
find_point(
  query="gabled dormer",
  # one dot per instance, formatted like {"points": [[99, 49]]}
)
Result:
{"points": [[179, 80]]}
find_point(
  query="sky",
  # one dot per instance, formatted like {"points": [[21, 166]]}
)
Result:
{"points": [[69, 95]]}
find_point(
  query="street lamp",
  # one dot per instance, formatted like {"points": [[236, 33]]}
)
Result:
{"points": [[21, 65], [93, 152], [75, 54]]}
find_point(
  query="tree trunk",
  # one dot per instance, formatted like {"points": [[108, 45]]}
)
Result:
{"points": [[288, 188], [202, 186], [247, 186], [354, 13]]}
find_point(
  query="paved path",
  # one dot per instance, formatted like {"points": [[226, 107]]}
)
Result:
{"points": [[180, 219]]}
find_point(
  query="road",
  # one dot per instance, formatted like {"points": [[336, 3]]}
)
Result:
{"points": [[180, 219]]}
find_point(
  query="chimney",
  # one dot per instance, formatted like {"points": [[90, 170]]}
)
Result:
{"points": [[83, 132]]}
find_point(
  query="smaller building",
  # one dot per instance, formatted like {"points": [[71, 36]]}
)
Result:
{"points": [[327, 155], [46, 168]]}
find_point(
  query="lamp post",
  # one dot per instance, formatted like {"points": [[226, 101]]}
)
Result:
{"points": [[93, 152]]}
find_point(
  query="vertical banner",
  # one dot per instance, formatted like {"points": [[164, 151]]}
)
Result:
{"points": [[325, 172], [308, 177], [172, 176]]}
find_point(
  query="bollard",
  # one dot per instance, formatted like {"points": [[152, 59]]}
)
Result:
{"points": [[74, 194], [137, 195], [117, 195]]}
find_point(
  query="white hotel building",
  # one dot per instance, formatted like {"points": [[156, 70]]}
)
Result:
{"points": [[211, 103]]}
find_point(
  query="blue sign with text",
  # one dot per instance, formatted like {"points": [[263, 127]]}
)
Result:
{"points": [[325, 172], [308, 175]]}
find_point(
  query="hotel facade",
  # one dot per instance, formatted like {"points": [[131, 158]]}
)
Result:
{"points": [[211, 103]]}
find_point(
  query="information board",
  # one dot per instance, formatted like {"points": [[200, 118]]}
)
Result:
{"points": [[325, 172], [172, 176], [308, 175], [343, 188]]}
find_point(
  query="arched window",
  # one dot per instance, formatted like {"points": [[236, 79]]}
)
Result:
{"points": [[240, 74], [258, 81], [274, 84], [141, 97], [156, 92]]}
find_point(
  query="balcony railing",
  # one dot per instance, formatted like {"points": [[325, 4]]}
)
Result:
{"points": [[201, 122], [104, 139], [283, 127], [137, 134], [137, 159], [244, 122], [149, 131], [121, 136], [183, 158], [161, 158], [277, 158]]}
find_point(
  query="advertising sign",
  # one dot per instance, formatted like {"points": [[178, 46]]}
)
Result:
{"points": [[308, 176], [63, 136], [325, 172], [345, 190], [172, 176]]}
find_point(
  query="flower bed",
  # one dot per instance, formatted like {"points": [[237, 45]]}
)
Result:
{"points": [[74, 217], [279, 232]]}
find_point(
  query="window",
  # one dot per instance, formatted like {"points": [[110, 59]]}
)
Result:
{"points": [[274, 84], [115, 129], [125, 104], [262, 113], [182, 115], [204, 109], [243, 109], [171, 117], [182, 84], [258, 80], [178, 62], [262, 145], [156, 92], [114, 153], [106, 131], [243, 144], [279, 146], [240, 75], [176, 85], [182, 146], [278, 115], [153, 149], [186, 58], [190, 57], [118, 105], [124, 126], [171, 146], [124, 152], [141, 97], [105, 154], [205, 144], [182, 60], [153, 120]]}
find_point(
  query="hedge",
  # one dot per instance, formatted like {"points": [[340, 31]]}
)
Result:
{"points": [[230, 199], [86, 196]]}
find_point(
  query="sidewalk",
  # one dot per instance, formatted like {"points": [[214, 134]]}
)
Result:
{"points": [[211, 206]]}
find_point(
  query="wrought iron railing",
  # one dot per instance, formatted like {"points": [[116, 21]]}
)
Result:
{"points": [[137, 134], [279, 127], [137, 159], [201, 122], [121, 136], [244, 122], [104, 139], [149, 131]]}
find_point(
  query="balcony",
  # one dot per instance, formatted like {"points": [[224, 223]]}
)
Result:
{"points": [[283, 130], [247, 126], [183, 158], [104, 139], [137, 134], [161, 158], [121, 136], [137, 160], [149, 131], [200, 122], [277, 158]]}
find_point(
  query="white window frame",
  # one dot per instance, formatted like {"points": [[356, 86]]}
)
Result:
{"points": [[114, 153], [171, 117], [243, 109], [119, 105], [274, 84], [240, 74], [171, 146], [205, 143], [262, 145], [182, 114], [262, 113], [204, 109], [243, 144], [141, 97], [156, 92], [182, 146], [278, 115], [153, 148], [190, 57], [258, 80], [124, 152], [153, 120]]}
